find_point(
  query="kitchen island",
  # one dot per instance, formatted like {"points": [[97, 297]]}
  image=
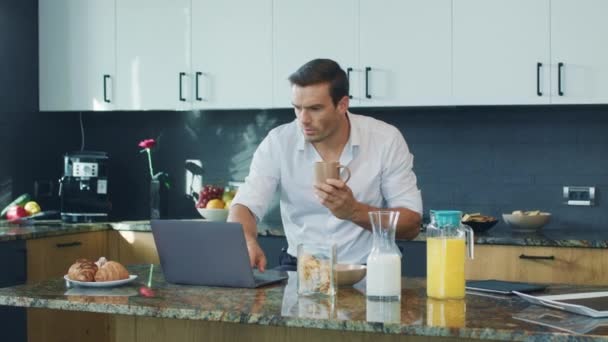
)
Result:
{"points": [[275, 312]]}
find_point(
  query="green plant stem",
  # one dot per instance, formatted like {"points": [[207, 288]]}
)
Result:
{"points": [[150, 162], [150, 275]]}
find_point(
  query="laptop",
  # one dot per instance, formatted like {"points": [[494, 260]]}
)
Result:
{"points": [[207, 253]]}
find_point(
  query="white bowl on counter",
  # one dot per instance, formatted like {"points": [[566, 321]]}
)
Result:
{"points": [[216, 215], [350, 274], [526, 223]]}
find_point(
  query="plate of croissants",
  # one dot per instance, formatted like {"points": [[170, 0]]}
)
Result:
{"points": [[101, 273]]}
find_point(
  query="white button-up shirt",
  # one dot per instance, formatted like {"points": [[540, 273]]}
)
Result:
{"points": [[381, 176]]}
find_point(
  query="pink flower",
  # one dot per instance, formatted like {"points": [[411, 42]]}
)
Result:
{"points": [[147, 143]]}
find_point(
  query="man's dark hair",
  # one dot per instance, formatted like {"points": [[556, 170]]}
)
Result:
{"points": [[322, 71]]}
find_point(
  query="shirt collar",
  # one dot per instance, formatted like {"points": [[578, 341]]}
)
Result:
{"points": [[355, 134], [300, 136], [354, 138]]}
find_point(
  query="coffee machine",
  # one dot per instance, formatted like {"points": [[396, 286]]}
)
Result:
{"points": [[83, 189]]}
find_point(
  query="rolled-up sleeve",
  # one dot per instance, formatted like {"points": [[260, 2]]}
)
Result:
{"points": [[399, 184], [263, 179]]}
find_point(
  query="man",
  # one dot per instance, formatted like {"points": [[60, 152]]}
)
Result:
{"points": [[332, 212]]}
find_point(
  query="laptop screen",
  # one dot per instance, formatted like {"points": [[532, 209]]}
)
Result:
{"points": [[203, 253]]}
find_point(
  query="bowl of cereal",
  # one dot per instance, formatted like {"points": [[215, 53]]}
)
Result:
{"points": [[350, 274]]}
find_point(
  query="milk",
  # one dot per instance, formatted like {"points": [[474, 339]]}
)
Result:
{"points": [[382, 311], [384, 276]]}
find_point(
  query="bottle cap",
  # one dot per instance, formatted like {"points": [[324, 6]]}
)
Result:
{"points": [[445, 218]]}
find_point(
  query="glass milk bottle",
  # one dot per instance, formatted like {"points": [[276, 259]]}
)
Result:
{"points": [[384, 260], [445, 254]]}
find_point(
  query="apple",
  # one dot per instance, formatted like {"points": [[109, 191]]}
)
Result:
{"points": [[228, 195], [146, 292], [16, 212]]}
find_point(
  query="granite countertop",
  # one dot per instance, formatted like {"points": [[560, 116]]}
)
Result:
{"points": [[558, 237], [549, 237], [500, 235], [39, 229], [477, 316]]}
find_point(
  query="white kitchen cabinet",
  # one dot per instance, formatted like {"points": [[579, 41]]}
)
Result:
{"points": [[578, 41], [397, 53], [77, 60], [497, 48], [405, 52], [305, 30], [232, 54], [153, 40], [204, 54]]}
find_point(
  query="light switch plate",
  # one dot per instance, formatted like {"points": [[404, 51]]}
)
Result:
{"points": [[579, 195]]}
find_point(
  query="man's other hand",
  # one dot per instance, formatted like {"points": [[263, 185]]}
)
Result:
{"points": [[256, 255]]}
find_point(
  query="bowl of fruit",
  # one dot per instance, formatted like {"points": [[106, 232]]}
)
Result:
{"points": [[213, 202]]}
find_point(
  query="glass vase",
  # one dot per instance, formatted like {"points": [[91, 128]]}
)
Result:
{"points": [[158, 200]]}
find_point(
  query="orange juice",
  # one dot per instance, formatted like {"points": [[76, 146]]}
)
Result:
{"points": [[445, 267], [445, 313]]}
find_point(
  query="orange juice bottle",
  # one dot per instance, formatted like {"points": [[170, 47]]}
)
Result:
{"points": [[445, 254]]}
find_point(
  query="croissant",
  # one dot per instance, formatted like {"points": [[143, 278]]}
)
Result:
{"points": [[111, 270], [82, 270]]}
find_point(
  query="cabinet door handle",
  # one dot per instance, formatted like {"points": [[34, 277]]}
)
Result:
{"points": [[538, 66], [537, 257], [348, 70], [68, 244], [367, 94], [105, 88], [181, 77], [196, 81], [560, 65]]}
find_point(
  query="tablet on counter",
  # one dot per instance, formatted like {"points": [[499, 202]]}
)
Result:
{"points": [[502, 287]]}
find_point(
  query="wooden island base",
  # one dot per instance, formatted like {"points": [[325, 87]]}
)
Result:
{"points": [[149, 329]]}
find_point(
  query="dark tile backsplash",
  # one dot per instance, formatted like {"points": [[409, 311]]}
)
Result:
{"points": [[481, 159]]}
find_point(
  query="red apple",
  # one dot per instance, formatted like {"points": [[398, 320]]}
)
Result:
{"points": [[146, 292], [16, 212]]}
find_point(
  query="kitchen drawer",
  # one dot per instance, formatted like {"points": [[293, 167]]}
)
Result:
{"points": [[540, 264], [51, 257]]}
